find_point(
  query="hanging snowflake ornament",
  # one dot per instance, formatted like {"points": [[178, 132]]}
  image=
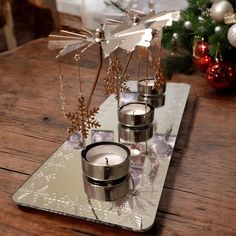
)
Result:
{"points": [[115, 81], [83, 119]]}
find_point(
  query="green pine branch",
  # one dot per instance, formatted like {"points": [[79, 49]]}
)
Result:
{"points": [[203, 26], [175, 64]]}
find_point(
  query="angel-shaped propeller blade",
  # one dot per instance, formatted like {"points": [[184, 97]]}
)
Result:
{"points": [[138, 30], [68, 42], [137, 35]]}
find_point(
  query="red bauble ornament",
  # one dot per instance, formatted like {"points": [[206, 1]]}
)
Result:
{"points": [[220, 75], [201, 49], [201, 57], [202, 63]]}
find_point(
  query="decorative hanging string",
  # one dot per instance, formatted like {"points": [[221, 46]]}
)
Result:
{"points": [[147, 64], [98, 74], [77, 59], [62, 96], [128, 62]]}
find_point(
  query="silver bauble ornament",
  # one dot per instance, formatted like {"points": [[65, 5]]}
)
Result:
{"points": [[201, 19], [188, 25], [219, 9], [175, 35], [232, 35], [218, 29], [206, 13]]}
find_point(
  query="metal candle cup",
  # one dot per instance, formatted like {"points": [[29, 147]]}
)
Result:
{"points": [[136, 114], [156, 101], [105, 161], [146, 88], [107, 190], [135, 134], [106, 170]]}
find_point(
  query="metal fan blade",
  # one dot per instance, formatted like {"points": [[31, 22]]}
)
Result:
{"points": [[175, 15], [108, 29], [159, 25], [141, 38], [128, 24], [148, 16], [61, 37], [72, 47], [110, 46], [136, 12], [114, 21], [87, 31], [162, 17], [121, 27], [78, 35], [131, 30], [56, 44]]}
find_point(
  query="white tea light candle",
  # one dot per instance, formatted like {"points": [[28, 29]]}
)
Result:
{"points": [[105, 161], [136, 114], [146, 88], [147, 82], [135, 109], [106, 167]]}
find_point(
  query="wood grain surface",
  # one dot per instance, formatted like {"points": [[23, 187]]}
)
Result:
{"points": [[200, 188]]}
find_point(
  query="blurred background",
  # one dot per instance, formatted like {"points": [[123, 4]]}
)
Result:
{"points": [[24, 20]]}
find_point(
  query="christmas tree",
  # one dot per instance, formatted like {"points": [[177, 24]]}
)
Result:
{"points": [[203, 21]]}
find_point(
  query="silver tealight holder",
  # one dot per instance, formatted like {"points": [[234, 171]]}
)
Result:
{"points": [[136, 114], [146, 87], [149, 93], [106, 170], [156, 101], [136, 123], [135, 134]]}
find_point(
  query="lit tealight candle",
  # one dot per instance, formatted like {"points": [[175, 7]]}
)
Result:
{"points": [[106, 167], [147, 82], [136, 114], [135, 109], [104, 159], [146, 88]]}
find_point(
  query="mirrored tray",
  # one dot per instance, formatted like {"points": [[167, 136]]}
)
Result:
{"points": [[57, 186]]}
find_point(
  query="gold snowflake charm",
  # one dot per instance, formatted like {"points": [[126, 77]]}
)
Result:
{"points": [[83, 119], [115, 81]]}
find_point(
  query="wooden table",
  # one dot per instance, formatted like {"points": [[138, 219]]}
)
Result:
{"points": [[199, 193]]}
